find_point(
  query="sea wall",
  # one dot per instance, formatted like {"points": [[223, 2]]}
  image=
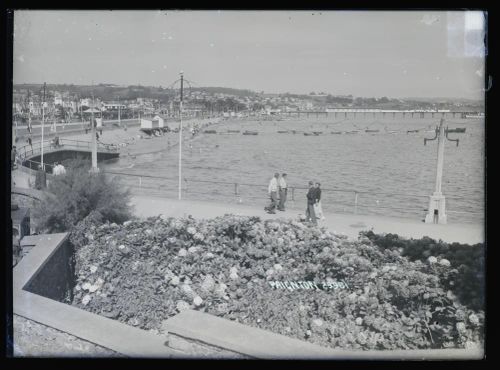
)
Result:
{"points": [[55, 279]]}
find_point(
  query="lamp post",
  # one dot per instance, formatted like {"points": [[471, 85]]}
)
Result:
{"points": [[180, 137], [437, 204], [43, 119], [93, 138]]}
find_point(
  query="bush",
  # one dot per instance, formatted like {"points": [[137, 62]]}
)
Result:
{"points": [[73, 196], [143, 272], [466, 275]]}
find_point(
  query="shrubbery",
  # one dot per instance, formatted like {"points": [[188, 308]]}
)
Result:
{"points": [[143, 272], [466, 276], [73, 196]]}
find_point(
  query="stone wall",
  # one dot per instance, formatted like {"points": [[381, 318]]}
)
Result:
{"points": [[66, 155], [56, 278], [23, 200]]}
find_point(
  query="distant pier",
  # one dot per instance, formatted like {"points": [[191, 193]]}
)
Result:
{"points": [[385, 113]]}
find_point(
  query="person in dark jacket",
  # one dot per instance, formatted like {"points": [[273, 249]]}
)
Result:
{"points": [[318, 209], [311, 200], [283, 190]]}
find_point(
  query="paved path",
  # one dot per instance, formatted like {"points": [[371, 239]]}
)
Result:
{"points": [[348, 224]]}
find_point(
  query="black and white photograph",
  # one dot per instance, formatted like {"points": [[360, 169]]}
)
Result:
{"points": [[248, 184]]}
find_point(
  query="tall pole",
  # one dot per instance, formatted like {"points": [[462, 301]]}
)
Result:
{"points": [[29, 116], [440, 160], [119, 118], [94, 139], [180, 137], [43, 119], [437, 202], [79, 107]]}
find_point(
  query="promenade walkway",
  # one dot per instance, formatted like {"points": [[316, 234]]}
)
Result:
{"points": [[347, 224]]}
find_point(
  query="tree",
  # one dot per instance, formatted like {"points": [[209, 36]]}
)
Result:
{"points": [[73, 196]]}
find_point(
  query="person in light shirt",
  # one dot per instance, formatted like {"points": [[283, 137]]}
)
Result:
{"points": [[318, 210], [273, 193], [283, 189], [58, 169], [55, 169], [311, 200]]}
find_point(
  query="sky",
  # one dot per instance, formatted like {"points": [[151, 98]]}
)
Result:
{"points": [[369, 53]]}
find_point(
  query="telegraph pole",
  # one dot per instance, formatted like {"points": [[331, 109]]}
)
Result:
{"points": [[180, 137], [437, 205], [43, 119], [94, 139], [119, 118]]}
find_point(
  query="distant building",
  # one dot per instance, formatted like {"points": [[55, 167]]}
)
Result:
{"points": [[150, 123], [85, 102], [112, 106], [58, 100], [161, 120]]}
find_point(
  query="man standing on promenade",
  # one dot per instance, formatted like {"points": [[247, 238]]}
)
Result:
{"points": [[273, 193], [318, 209], [283, 188], [311, 199]]}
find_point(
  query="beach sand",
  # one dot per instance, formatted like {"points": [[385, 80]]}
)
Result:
{"points": [[133, 141]]}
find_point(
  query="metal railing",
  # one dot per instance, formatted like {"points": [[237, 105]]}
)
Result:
{"points": [[346, 200], [49, 146]]}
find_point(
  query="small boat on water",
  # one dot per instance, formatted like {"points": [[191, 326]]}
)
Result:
{"points": [[352, 132], [210, 131], [337, 132], [294, 131], [460, 130], [308, 134], [283, 131], [250, 133], [317, 132], [233, 131], [411, 131], [372, 130]]}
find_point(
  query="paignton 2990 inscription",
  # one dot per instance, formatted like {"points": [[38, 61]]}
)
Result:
{"points": [[309, 285]]}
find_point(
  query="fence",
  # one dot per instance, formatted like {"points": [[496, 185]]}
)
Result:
{"points": [[340, 200], [49, 146]]}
